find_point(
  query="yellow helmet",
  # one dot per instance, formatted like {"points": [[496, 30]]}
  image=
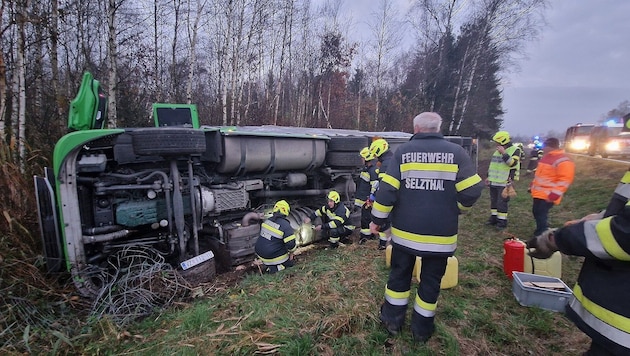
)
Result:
{"points": [[378, 147], [366, 154], [283, 207], [501, 137], [334, 196]]}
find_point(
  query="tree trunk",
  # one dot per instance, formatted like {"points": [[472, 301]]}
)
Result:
{"points": [[21, 84], [112, 51]]}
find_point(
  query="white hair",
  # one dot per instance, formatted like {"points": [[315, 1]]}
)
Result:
{"points": [[427, 122]]}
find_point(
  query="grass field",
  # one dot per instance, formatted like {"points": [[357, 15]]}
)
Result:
{"points": [[328, 303]]}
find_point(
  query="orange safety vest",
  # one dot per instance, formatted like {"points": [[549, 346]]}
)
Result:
{"points": [[554, 174]]}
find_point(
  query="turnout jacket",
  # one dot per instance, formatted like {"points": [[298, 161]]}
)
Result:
{"points": [[428, 184], [276, 240], [384, 161], [503, 167], [332, 218], [601, 308], [364, 184], [554, 175]]}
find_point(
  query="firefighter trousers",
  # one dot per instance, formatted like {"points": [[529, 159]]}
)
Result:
{"points": [[498, 205], [399, 283]]}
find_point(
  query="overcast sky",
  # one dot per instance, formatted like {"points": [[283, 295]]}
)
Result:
{"points": [[577, 71]]}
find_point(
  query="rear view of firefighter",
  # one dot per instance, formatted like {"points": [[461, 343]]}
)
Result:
{"points": [[501, 172], [600, 308], [428, 184], [380, 149], [335, 217], [367, 176], [276, 243]]}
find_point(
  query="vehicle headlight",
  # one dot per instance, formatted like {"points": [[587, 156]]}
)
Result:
{"points": [[579, 145], [612, 146]]}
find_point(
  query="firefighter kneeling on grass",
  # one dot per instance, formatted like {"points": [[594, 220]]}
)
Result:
{"points": [[334, 218], [276, 243]]}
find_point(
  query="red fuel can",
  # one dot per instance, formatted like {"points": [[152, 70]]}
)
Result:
{"points": [[513, 256]]}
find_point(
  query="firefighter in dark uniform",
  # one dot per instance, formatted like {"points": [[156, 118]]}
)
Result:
{"points": [[504, 163], [534, 156], [276, 243], [367, 176], [600, 308], [335, 217], [380, 149], [429, 183]]}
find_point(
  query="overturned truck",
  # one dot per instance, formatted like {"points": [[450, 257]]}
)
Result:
{"points": [[196, 194]]}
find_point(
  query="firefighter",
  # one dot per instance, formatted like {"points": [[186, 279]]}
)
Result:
{"points": [[600, 308], [380, 149], [276, 243], [534, 156], [364, 191], [553, 177], [335, 218], [428, 184], [501, 172]]}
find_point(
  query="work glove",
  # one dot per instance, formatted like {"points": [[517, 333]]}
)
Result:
{"points": [[543, 245]]}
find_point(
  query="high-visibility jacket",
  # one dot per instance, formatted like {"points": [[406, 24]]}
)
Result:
{"points": [[601, 309], [276, 240], [554, 174], [503, 166], [429, 182]]}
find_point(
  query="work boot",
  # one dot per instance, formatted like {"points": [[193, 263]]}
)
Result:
{"points": [[363, 240], [501, 224], [393, 323], [422, 328], [492, 220]]}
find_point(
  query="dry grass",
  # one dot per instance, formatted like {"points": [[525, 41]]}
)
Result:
{"points": [[326, 305]]}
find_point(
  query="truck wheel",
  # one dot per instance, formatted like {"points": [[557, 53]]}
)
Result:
{"points": [[344, 159], [348, 143], [168, 141]]}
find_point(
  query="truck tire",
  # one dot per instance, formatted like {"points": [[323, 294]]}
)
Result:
{"points": [[348, 143], [168, 141], [344, 159]]}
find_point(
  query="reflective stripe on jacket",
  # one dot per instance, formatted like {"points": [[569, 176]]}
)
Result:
{"points": [[601, 308], [276, 240], [364, 188], [429, 182], [554, 174], [337, 217], [503, 166]]}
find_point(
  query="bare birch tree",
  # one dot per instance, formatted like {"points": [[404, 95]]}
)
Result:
{"points": [[387, 31]]}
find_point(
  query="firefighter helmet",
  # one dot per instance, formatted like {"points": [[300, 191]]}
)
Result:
{"points": [[334, 196], [378, 147], [283, 207], [366, 154], [501, 137]]}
